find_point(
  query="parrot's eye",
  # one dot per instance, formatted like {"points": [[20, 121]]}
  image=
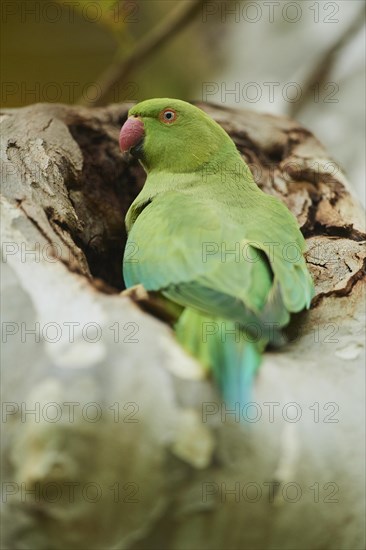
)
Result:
{"points": [[168, 116]]}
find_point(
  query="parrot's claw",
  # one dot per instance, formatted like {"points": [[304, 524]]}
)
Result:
{"points": [[136, 293]]}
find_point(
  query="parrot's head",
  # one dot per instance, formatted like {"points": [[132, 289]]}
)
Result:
{"points": [[172, 135]]}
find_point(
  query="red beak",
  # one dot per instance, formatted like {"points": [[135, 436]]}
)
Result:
{"points": [[131, 133]]}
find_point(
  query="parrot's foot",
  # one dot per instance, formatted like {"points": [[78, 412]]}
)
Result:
{"points": [[154, 303], [137, 293]]}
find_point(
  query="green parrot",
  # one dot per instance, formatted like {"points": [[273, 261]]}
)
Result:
{"points": [[204, 235]]}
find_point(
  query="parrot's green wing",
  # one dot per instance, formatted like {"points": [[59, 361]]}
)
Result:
{"points": [[275, 231], [202, 258], [179, 251]]}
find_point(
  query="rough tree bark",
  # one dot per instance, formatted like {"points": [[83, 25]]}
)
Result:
{"points": [[129, 446]]}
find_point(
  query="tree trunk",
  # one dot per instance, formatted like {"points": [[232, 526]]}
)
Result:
{"points": [[128, 445]]}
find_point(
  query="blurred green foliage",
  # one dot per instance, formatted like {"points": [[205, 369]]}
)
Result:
{"points": [[52, 51]]}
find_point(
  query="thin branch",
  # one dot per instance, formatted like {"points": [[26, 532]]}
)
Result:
{"points": [[171, 25], [327, 60]]}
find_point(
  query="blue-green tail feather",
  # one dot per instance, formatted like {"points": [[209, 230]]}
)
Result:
{"points": [[227, 350]]}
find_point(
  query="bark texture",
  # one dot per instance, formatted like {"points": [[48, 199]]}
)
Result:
{"points": [[129, 446]]}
